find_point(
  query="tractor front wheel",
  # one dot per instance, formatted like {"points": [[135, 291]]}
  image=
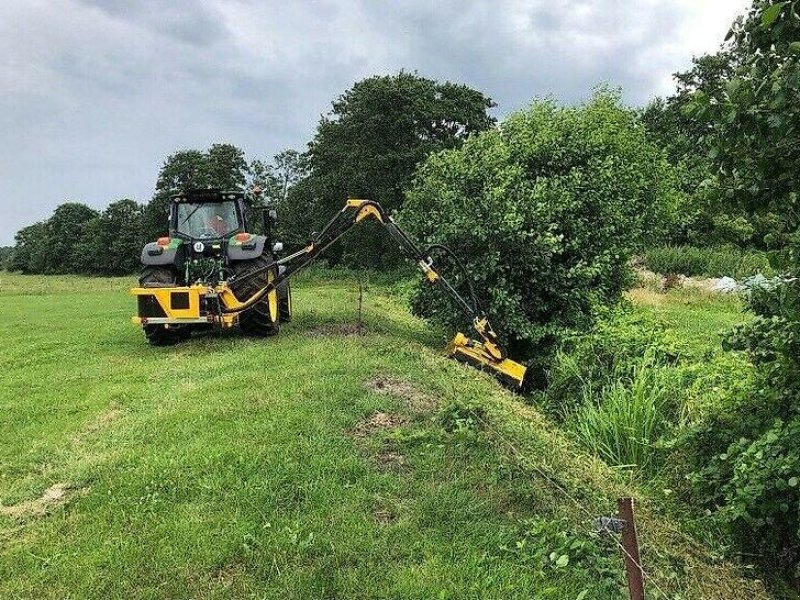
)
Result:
{"points": [[250, 276]]}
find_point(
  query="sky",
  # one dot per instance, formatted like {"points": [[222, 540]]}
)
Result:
{"points": [[95, 94]]}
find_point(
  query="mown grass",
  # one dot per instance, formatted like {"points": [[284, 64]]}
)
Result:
{"points": [[227, 467]]}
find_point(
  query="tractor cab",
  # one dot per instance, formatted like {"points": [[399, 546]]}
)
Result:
{"points": [[207, 215]]}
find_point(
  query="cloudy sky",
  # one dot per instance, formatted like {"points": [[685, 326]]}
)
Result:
{"points": [[94, 94]]}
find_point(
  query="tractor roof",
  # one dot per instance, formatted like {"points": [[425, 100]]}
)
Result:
{"points": [[207, 195]]}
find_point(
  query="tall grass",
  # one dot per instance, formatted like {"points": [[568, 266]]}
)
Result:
{"points": [[621, 421], [712, 261]]}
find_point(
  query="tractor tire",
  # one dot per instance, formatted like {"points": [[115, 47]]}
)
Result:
{"points": [[262, 319], [158, 277], [158, 335], [285, 302]]}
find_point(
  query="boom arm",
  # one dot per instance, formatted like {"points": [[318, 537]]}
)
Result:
{"points": [[486, 354]]}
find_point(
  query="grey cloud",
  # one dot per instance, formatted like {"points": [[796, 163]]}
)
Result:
{"points": [[94, 94]]}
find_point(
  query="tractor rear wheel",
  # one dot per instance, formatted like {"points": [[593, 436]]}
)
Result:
{"points": [[285, 302], [250, 276], [158, 335]]}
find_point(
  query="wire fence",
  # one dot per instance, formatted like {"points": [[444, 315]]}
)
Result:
{"points": [[560, 488]]}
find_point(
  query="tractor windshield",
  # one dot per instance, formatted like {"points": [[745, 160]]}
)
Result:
{"points": [[207, 220]]}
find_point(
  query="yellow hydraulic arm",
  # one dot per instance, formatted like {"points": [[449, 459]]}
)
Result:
{"points": [[484, 353]]}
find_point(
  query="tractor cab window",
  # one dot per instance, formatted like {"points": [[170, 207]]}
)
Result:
{"points": [[207, 220]]}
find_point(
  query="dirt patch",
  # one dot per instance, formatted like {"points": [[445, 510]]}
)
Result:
{"points": [[416, 399], [344, 329], [100, 422], [376, 422], [53, 496], [383, 516], [391, 461]]}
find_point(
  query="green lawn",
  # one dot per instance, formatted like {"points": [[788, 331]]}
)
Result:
{"points": [[318, 464]]}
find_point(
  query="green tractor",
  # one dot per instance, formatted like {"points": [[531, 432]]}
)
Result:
{"points": [[209, 246]]}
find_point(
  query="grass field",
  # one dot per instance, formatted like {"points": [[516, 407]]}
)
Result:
{"points": [[324, 463]]}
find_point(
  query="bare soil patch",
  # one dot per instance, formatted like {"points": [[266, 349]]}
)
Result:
{"points": [[408, 392], [390, 460], [383, 516], [56, 494], [376, 422]]}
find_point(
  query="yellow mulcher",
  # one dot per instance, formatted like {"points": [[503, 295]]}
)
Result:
{"points": [[210, 272]]}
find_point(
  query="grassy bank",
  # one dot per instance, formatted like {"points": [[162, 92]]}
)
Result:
{"points": [[327, 462]]}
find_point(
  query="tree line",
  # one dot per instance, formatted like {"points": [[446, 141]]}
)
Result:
{"points": [[368, 145]]}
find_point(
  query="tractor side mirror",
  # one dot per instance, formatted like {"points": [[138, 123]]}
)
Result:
{"points": [[270, 217]]}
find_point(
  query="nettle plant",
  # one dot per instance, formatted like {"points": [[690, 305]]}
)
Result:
{"points": [[545, 212]]}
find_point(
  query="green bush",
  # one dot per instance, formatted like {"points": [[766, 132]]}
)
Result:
{"points": [[545, 212], [719, 261], [747, 456]]}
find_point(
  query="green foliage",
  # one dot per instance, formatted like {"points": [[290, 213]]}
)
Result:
{"points": [[108, 243], [672, 127], [745, 455], [370, 143], [550, 546], [610, 352], [26, 254], [645, 374], [749, 470], [754, 119], [52, 246], [708, 261], [111, 243], [5, 256], [545, 212], [622, 421]]}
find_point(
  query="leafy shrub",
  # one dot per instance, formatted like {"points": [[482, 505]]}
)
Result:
{"points": [[712, 261], [545, 212], [747, 458]]}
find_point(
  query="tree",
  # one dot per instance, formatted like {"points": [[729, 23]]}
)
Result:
{"points": [[290, 167], [545, 213], [112, 242], [755, 120], [28, 245], [63, 231], [225, 167], [5, 256], [700, 217], [372, 140]]}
